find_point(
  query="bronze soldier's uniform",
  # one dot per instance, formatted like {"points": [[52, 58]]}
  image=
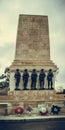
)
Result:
{"points": [[25, 78], [42, 78], [49, 78], [17, 77], [33, 79]]}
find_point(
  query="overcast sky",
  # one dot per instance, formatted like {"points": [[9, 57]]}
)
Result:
{"points": [[9, 14]]}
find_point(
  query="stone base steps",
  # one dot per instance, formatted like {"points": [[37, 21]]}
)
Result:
{"points": [[29, 64]]}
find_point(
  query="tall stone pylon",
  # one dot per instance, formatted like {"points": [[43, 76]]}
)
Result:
{"points": [[32, 47]]}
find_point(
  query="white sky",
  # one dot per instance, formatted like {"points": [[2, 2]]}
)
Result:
{"points": [[9, 14]]}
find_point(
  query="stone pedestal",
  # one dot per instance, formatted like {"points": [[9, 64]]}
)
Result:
{"points": [[32, 47]]}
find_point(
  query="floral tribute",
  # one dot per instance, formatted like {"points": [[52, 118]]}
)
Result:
{"points": [[18, 109], [43, 110], [55, 109], [29, 109]]}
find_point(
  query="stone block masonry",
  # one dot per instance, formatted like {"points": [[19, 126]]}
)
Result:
{"points": [[32, 46]]}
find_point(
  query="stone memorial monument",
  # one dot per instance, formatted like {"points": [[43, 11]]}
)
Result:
{"points": [[32, 48], [32, 53]]}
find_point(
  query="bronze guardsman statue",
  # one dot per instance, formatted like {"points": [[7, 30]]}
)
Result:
{"points": [[25, 79], [17, 77], [42, 78], [33, 79], [50, 79]]}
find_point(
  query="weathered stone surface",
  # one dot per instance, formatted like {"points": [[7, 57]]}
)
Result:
{"points": [[37, 95], [35, 99], [32, 47], [32, 44], [32, 38]]}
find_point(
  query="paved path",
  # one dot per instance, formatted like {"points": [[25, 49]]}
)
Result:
{"points": [[32, 123]]}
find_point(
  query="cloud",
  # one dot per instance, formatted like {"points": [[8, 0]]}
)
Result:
{"points": [[6, 56], [6, 50]]}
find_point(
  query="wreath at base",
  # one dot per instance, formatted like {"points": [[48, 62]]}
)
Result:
{"points": [[43, 111], [18, 110], [55, 109]]}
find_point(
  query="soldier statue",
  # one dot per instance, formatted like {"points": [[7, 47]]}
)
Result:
{"points": [[25, 79], [42, 78], [33, 79], [17, 77], [50, 79]]}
